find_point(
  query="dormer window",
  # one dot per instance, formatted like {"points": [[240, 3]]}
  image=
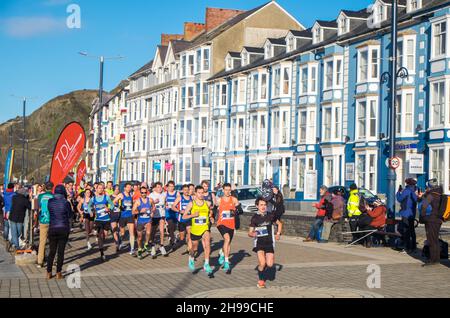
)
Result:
{"points": [[379, 12], [317, 35], [414, 5], [268, 51], [343, 25], [229, 63], [291, 44], [244, 58]]}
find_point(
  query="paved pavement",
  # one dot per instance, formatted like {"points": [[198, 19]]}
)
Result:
{"points": [[304, 270]]}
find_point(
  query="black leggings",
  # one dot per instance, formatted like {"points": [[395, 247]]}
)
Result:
{"points": [[58, 241], [171, 226]]}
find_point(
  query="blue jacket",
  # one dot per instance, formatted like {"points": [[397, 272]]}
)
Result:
{"points": [[60, 213], [408, 202], [7, 196]]}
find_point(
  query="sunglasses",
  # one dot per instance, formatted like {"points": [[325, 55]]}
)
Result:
{"points": [[144, 193]]}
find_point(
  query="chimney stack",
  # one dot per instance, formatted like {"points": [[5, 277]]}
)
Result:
{"points": [[192, 30], [217, 16], [166, 38]]}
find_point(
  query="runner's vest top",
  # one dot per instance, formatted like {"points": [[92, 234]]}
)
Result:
{"points": [[86, 210], [116, 208], [127, 206], [183, 204], [226, 218], [170, 199], [144, 211], [160, 198], [100, 209], [208, 197], [200, 224]]}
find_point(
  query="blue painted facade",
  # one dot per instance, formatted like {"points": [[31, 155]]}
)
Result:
{"points": [[347, 117]]}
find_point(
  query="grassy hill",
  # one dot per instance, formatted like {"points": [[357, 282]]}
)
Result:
{"points": [[43, 129]]}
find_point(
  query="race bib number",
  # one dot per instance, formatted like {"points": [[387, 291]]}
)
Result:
{"points": [[200, 220], [169, 205], [226, 215], [261, 231], [101, 213]]}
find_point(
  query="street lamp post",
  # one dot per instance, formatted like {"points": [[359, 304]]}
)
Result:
{"points": [[99, 118], [99, 111], [23, 140]]}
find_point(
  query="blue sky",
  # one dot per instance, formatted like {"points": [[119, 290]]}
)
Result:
{"points": [[39, 53]]}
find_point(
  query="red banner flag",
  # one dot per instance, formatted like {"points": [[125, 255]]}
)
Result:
{"points": [[68, 150], [81, 171]]}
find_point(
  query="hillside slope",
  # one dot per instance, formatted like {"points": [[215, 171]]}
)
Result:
{"points": [[43, 128]]}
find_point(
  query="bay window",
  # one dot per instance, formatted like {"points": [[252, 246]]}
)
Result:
{"points": [[276, 82], [254, 132], [262, 131], [205, 100], [405, 113], [286, 81], [437, 165], [242, 89], [235, 91], [439, 46], [255, 88], [366, 127], [263, 86], [206, 63], [438, 103], [302, 127], [368, 64]]}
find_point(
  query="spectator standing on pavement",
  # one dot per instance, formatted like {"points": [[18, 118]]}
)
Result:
{"points": [[60, 212], [430, 216], [324, 203], [278, 203], [19, 207], [407, 198], [353, 210], [2, 205], [44, 221], [7, 197]]}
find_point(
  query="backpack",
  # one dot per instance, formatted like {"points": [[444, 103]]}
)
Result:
{"points": [[444, 208]]}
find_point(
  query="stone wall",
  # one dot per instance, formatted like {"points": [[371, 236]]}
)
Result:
{"points": [[298, 225]]}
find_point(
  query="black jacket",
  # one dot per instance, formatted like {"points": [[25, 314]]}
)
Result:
{"points": [[20, 205], [60, 213]]}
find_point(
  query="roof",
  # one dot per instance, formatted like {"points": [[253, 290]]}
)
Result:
{"points": [[105, 98], [327, 24], [359, 31], [144, 68], [389, 2], [362, 14], [205, 37], [162, 52], [302, 34], [254, 50], [280, 41], [179, 45], [234, 54]]}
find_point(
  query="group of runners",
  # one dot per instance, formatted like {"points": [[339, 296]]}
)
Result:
{"points": [[185, 217]]}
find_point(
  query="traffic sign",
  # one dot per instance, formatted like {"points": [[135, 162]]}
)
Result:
{"points": [[394, 163]]}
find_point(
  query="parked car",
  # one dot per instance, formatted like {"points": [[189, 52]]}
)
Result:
{"points": [[369, 196], [247, 196]]}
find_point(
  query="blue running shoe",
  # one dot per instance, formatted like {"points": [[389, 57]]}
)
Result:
{"points": [[221, 259], [207, 269], [191, 264], [226, 266]]}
